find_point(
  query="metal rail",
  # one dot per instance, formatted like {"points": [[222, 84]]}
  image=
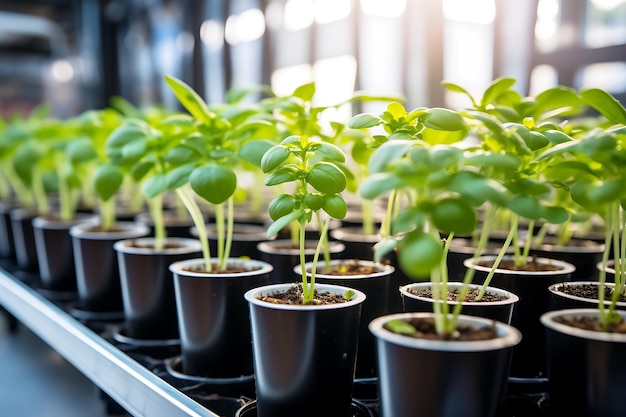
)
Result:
{"points": [[130, 384]]}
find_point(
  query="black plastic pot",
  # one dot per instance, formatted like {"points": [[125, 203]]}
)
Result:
{"points": [[358, 244], [529, 362], [584, 254], [175, 225], [97, 269], [284, 257], [464, 248], [55, 253], [238, 386], [7, 246], [213, 317], [246, 238], [304, 355], [148, 286], [24, 238], [586, 368], [376, 287], [420, 377], [501, 311]]}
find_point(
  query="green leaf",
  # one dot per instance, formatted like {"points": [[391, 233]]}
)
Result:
{"points": [[179, 176], [281, 206], [190, 99], [400, 327], [313, 201], [154, 186], [444, 119], [138, 171], [555, 214], [605, 104], [418, 254], [214, 183], [282, 222], [274, 157], [331, 152], [458, 89], [375, 185], [444, 157], [253, 150], [125, 134], [557, 137], [364, 121], [282, 175], [499, 161], [181, 154], [334, 205], [408, 220], [135, 150], [326, 178], [81, 151], [526, 207], [107, 180], [496, 88], [608, 191], [305, 92], [383, 247], [387, 153], [454, 215]]}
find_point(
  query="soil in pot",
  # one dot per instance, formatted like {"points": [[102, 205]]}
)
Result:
{"points": [[293, 295], [425, 329], [454, 293], [588, 291]]}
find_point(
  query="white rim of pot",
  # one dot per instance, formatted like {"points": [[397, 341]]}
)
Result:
{"points": [[511, 298], [46, 222], [273, 247], [465, 246], [563, 267], [591, 247], [508, 336], [252, 297], [383, 270], [610, 266], [553, 289], [241, 232], [547, 319], [179, 267], [354, 234], [146, 245], [128, 230]]}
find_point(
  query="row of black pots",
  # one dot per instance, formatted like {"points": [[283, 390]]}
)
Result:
{"points": [[298, 260]]}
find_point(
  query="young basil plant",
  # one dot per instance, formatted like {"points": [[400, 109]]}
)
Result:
{"points": [[206, 162], [318, 183]]}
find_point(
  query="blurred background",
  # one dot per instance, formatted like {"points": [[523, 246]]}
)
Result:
{"points": [[77, 54]]}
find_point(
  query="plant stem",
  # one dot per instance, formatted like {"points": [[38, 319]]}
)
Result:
{"points": [[320, 244], [528, 241], [604, 317], [368, 216], [230, 225], [107, 213], [184, 194], [156, 212], [305, 285], [496, 263], [220, 230]]}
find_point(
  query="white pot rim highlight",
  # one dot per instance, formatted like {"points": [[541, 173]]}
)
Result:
{"points": [[508, 336], [252, 297]]}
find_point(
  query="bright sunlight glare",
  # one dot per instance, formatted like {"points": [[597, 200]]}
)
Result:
{"points": [[245, 27], [470, 11], [387, 8], [298, 14]]}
